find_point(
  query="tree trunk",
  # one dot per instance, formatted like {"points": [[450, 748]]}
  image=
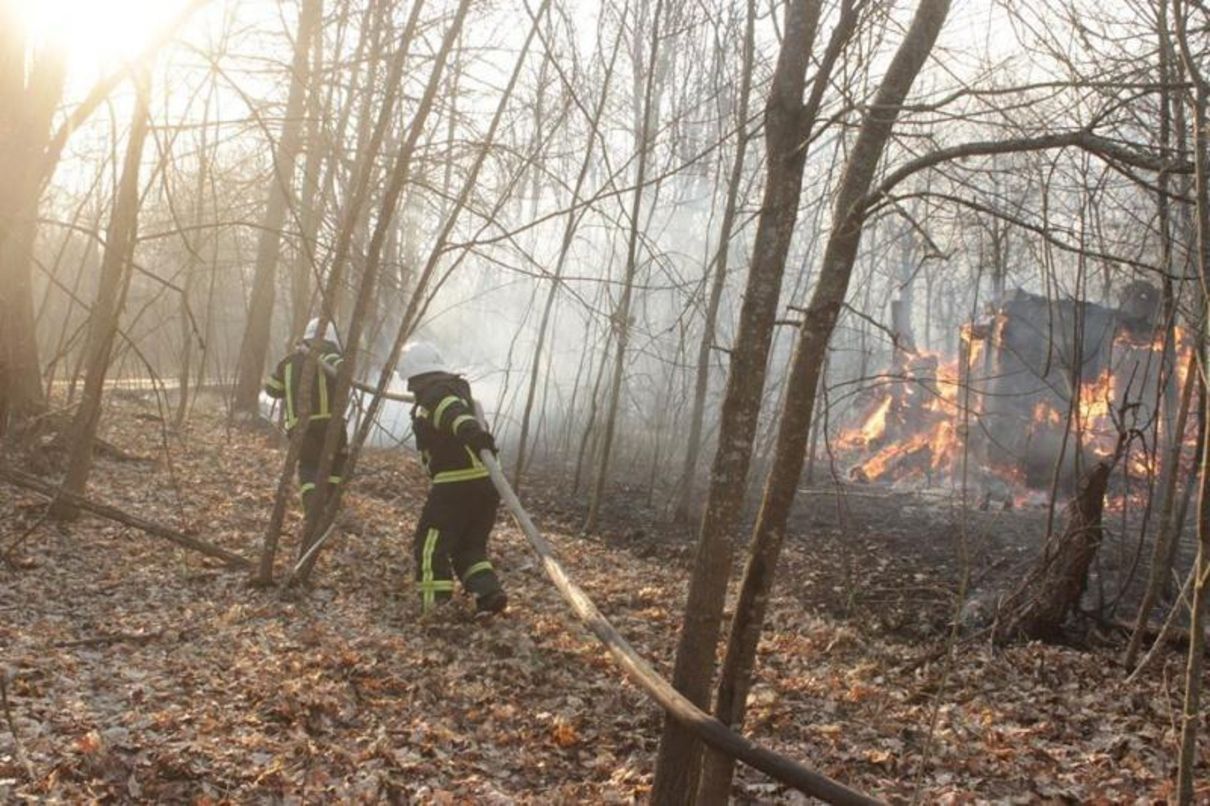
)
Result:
{"points": [[1166, 391], [787, 128], [379, 17], [621, 314], [417, 305], [574, 216], [29, 98], [814, 333], [192, 264], [591, 420], [257, 330], [306, 258], [336, 279], [398, 179], [718, 281], [113, 283], [1168, 531], [1191, 712]]}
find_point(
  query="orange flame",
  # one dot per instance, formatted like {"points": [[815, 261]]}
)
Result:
{"points": [[911, 434]]}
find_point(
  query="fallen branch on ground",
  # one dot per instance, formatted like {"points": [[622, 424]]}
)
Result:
{"points": [[30, 482]]}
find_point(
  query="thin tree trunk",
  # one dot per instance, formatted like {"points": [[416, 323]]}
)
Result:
{"points": [[583, 371], [1191, 712], [418, 302], [718, 281], [29, 97], [68, 335], [310, 202], [192, 264], [113, 283], [1167, 532], [574, 216], [621, 314], [814, 333], [398, 179], [336, 279], [379, 24], [255, 345], [787, 127], [590, 420]]}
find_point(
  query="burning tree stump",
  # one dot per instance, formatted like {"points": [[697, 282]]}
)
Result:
{"points": [[1038, 608]]}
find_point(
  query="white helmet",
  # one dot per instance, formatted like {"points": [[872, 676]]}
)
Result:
{"points": [[313, 330], [420, 357]]}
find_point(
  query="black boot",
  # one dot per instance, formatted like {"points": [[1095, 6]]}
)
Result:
{"points": [[491, 603]]}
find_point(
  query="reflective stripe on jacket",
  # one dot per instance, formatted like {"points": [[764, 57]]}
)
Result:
{"points": [[443, 418], [286, 382]]}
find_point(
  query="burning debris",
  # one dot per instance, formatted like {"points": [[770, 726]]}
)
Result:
{"points": [[1039, 385]]}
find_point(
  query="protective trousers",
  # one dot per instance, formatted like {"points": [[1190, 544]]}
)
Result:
{"points": [[308, 463], [451, 538]]}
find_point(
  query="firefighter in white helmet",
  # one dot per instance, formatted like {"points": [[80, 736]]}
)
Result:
{"points": [[451, 537], [286, 382]]}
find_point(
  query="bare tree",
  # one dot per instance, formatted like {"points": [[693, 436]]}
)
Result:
{"points": [[574, 217], [30, 88], [789, 124], [718, 280], [335, 281], [1174, 427], [260, 307], [31, 85], [310, 204], [621, 316], [815, 332], [1191, 712], [398, 178], [113, 283]]}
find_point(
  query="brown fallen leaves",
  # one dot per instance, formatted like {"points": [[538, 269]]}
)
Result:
{"points": [[233, 694]]}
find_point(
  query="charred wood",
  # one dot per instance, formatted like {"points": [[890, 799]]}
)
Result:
{"points": [[1052, 590]]}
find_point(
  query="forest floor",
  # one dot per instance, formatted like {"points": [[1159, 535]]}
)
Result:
{"points": [[138, 671]]}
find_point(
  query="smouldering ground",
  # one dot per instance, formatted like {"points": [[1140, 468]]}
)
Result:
{"points": [[139, 671]]}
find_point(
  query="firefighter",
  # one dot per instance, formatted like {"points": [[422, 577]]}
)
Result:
{"points": [[285, 384], [451, 537]]}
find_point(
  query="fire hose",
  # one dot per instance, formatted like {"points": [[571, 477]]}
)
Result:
{"points": [[706, 727]]}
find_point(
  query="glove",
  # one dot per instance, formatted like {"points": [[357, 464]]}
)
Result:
{"points": [[482, 441]]}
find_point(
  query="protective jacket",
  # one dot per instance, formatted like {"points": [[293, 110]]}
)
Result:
{"points": [[286, 382], [452, 533], [444, 420]]}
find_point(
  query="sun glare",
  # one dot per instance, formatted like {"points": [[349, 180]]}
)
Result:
{"points": [[95, 33]]}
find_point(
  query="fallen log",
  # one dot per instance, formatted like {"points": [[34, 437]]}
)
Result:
{"points": [[51, 491]]}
